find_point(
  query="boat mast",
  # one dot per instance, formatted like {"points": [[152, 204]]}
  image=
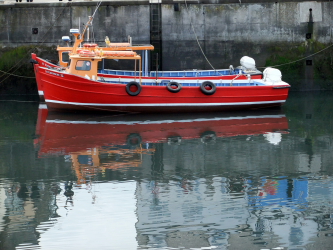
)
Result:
{"points": [[78, 40]]}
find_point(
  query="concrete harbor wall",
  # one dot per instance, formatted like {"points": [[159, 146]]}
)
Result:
{"points": [[191, 34]]}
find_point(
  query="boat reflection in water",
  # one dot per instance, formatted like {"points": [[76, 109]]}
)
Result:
{"points": [[97, 143], [68, 133]]}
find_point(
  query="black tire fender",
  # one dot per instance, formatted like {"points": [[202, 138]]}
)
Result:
{"points": [[133, 140], [174, 140], [129, 91], [170, 86], [210, 85], [208, 137]]}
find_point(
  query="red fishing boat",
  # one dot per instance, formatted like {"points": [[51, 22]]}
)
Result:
{"points": [[81, 85], [243, 72]]}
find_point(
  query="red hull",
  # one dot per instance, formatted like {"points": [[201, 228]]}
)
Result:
{"points": [[41, 63], [65, 134], [65, 91], [44, 63]]}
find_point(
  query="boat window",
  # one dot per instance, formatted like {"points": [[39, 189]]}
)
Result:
{"points": [[83, 65], [65, 56], [85, 160]]}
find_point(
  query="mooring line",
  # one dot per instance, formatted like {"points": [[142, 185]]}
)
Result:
{"points": [[19, 63], [196, 37], [43, 40], [7, 73], [298, 59], [15, 101]]}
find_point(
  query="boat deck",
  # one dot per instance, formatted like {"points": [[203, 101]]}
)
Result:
{"points": [[235, 84], [191, 84], [184, 73]]}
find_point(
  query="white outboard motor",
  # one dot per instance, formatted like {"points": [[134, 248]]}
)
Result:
{"points": [[248, 63], [273, 75]]}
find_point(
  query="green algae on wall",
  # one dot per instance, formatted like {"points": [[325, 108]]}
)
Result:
{"points": [[310, 112], [292, 61], [14, 121], [323, 66], [285, 59], [16, 72]]}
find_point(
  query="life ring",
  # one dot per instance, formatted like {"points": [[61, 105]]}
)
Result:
{"points": [[118, 53], [174, 140], [133, 140], [129, 86], [211, 88], [174, 87], [90, 45], [87, 53], [116, 45]]}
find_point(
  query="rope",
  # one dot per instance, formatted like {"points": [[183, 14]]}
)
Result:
{"points": [[92, 27], [91, 18], [19, 63], [98, 4], [15, 101], [196, 37], [299, 59], [7, 73]]}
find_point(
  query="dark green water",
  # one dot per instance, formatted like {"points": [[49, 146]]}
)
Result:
{"points": [[251, 180]]}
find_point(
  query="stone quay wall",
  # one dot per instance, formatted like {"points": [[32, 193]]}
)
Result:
{"points": [[190, 34]]}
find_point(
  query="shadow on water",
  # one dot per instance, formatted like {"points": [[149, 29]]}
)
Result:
{"points": [[259, 179]]}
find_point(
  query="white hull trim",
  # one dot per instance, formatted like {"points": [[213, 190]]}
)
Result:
{"points": [[166, 121], [42, 106], [162, 104]]}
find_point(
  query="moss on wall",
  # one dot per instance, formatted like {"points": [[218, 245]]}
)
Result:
{"points": [[291, 60], [16, 72], [16, 123], [313, 113], [286, 60], [323, 66]]}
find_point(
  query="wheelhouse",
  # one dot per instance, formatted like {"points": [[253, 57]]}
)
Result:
{"points": [[85, 63]]}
